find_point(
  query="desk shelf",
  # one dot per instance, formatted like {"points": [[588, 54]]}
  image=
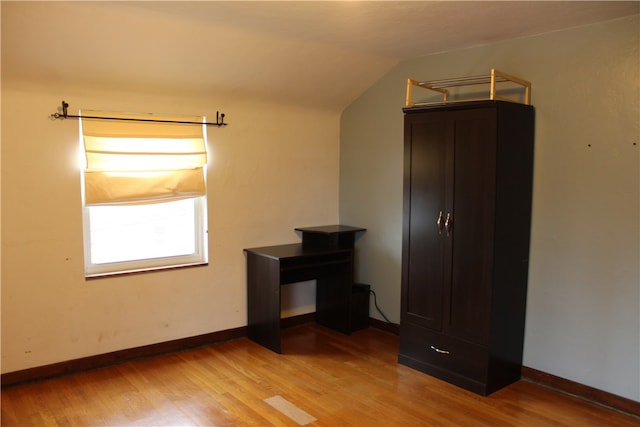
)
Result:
{"points": [[329, 236]]}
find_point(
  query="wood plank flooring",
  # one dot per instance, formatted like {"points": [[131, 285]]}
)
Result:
{"points": [[339, 380]]}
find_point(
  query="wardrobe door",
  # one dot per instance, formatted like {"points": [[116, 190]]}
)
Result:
{"points": [[428, 138], [468, 296]]}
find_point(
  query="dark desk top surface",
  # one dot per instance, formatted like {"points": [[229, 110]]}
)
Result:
{"points": [[293, 250]]}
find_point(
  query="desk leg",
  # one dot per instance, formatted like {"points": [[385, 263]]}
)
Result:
{"points": [[333, 300], [263, 301]]}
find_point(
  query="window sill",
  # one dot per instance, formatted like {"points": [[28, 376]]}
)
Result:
{"points": [[143, 271]]}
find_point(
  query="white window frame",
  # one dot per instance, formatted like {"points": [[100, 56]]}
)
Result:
{"points": [[198, 257]]}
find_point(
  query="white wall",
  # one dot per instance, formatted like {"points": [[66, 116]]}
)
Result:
{"points": [[273, 168], [583, 314]]}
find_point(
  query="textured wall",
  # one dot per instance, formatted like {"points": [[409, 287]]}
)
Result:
{"points": [[583, 315], [266, 176]]}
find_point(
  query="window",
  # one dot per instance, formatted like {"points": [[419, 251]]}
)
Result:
{"points": [[144, 193]]}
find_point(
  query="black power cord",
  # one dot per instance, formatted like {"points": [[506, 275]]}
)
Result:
{"points": [[375, 302]]}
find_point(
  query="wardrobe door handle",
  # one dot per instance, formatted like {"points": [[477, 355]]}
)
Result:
{"points": [[439, 223], [438, 350], [447, 224]]}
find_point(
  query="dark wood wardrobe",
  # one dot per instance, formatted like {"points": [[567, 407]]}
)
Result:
{"points": [[468, 170]]}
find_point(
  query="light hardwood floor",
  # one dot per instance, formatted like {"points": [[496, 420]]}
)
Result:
{"points": [[339, 380]]}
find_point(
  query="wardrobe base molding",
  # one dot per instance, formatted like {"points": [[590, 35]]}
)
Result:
{"points": [[445, 375]]}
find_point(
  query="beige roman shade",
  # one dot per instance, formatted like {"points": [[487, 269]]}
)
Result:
{"points": [[133, 162]]}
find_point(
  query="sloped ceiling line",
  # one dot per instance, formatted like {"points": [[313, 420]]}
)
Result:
{"points": [[318, 53]]}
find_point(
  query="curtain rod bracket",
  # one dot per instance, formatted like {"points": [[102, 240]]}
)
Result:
{"points": [[65, 115]]}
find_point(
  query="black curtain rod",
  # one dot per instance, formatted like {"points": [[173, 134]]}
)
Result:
{"points": [[219, 118]]}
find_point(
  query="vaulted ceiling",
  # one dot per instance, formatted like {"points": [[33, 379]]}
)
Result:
{"points": [[302, 52]]}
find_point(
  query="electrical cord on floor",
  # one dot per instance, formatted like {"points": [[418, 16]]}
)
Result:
{"points": [[375, 302]]}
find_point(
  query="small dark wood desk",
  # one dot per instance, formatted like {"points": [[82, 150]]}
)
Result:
{"points": [[324, 256]]}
